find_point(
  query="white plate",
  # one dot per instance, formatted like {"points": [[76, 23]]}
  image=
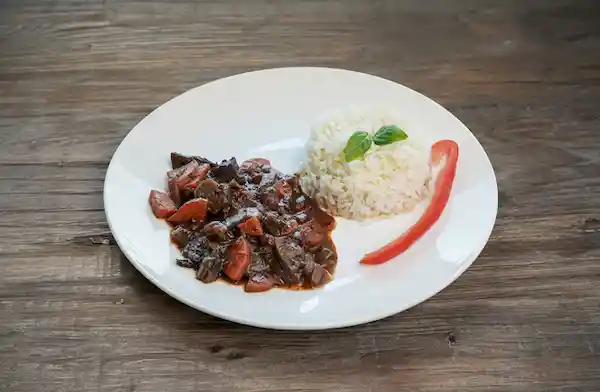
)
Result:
{"points": [[268, 114]]}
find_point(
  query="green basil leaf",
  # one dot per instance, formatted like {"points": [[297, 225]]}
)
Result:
{"points": [[356, 147], [389, 134]]}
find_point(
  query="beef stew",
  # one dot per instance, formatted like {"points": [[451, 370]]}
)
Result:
{"points": [[248, 224]]}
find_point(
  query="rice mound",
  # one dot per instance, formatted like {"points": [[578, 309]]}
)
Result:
{"points": [[391, 179]]}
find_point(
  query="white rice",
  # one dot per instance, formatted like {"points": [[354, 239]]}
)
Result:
{"points": [[391, 179]]}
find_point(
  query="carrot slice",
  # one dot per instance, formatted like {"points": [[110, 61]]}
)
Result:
{"points": [[251, 226], [195, 177], [239, 256], [443, 186], [194, 209], [184, 174], [161, 204]]}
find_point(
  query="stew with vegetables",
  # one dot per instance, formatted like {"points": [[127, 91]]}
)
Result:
{"points": [[248, 224]]}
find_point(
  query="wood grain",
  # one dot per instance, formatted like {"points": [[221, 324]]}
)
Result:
{"points": [[76, 75]]}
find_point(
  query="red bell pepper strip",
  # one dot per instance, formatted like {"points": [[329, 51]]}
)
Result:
{"points": [[443, 186]]}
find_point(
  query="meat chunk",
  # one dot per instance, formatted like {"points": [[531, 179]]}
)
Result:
{"points": [[240, 216], [258, 285], [238, 196], [290, 257], [315, 275], [258, 171], [254, 164], [186, 263], [312, 235], [284, 205], [259, 275], [293, 182], [215, 193], [206, 256], [279, 225], [256, 178], [267, 239], [161, 204], [249, 201], [210, 268], [180, 236], [235, 185], [216, 231], [322, 217], [175, 192], [326, 257], [196, 249], [270, 198], [226, 171], [179, 160]]}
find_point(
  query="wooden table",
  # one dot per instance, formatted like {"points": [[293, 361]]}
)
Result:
{"points": [[76, 76]]}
